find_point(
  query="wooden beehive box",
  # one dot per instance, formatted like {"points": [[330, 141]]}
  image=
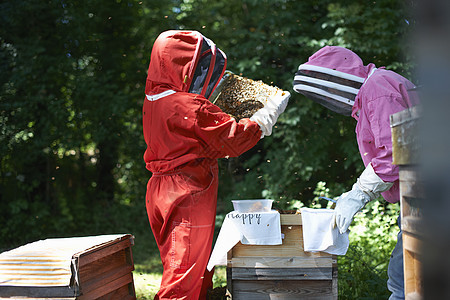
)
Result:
{"points": [[103, 271], [404, 127], [257, 272]]}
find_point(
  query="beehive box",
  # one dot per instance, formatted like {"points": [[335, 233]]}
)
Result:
{"points": [[404, 127], [101, 271], [257, 272]]}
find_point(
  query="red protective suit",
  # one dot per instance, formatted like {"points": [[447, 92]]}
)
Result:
{"points": [[185, 134]]}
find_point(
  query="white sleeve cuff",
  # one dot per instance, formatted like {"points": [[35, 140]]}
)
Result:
{"points": [[370, 183]]}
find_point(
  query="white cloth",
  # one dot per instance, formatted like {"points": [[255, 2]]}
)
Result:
{"points": [[258, 228], [319, 234]]}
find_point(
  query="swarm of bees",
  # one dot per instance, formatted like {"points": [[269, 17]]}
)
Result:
{"points": [[241, 97]]}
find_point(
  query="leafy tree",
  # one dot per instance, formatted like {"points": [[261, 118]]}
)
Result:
{"points": [[267, 40], [71, 95], [72, 76]]}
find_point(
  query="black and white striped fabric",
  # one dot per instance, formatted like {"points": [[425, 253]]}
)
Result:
{"points": [[333, 89]]}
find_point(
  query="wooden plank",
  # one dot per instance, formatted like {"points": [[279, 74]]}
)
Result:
{"points": [[412, 265], [103, 279], [412, 271], [229, 280], [411, 185], [108, 288], [291, 219], [412, 225], [292, 246], [283, 289], [412, 197], [334, 281], [102, 267], [281, 262], [411, 243], [406, 115], [411, 189], [125, 292], [411, 207], [405, 144], [410, 173], [413, 296], [103, 250], [129, 256], [282, 274], [38, 292]]}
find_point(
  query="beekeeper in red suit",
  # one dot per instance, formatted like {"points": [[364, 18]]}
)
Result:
{"points": [[337, 78], [185, 135]]}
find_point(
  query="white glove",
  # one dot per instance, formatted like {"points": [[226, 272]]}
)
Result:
{"points": [[266, 119], [367, 187], [279, 101], [267, 116]]}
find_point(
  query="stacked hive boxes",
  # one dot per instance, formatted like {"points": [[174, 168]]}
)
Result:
{"points": [[258, 272], [405, 144]]}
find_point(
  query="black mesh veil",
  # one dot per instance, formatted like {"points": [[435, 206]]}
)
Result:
{"points": [[334, 90], [210, 68]]}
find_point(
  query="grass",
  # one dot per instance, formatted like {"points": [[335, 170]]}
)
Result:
{"points": [[147, 284], [148, 267], [147, 264]]}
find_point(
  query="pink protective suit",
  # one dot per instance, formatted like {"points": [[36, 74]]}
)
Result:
{"points": [[379, 94], [185, 134]]}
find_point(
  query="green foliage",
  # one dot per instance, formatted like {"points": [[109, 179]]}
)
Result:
{"points": [[309, 143], [362, 271], [72, 76], [373, 235], [70, 107]]}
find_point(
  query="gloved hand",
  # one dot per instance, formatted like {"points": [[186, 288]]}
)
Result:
{"points": [[279, 101], [267, 116], [367, 187], [265, 119]]}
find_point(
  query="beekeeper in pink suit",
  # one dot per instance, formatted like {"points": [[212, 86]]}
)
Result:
{"points": [[336, 78]]}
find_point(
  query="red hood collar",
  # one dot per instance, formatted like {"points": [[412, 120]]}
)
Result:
{"points": [[173, 59], [184, 61]]}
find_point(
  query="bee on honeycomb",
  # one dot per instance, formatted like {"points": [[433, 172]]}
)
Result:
{"points": [[241, 97]]}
